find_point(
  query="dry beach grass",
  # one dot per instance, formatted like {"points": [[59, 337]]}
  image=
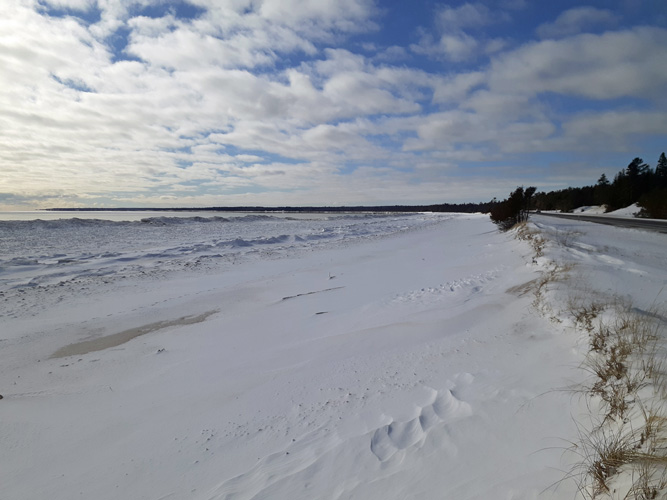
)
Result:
{"points": [[622, 447]]}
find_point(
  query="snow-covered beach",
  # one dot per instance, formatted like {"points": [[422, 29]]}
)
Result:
{"points": [[390, 356]]}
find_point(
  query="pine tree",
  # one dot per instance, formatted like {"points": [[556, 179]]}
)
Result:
{"points": [[514, 209], [636, 168], [601, 191], [638, 176], [661, 171]]}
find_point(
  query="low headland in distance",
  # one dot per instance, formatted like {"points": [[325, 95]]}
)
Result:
{"points": [[444, 207]]}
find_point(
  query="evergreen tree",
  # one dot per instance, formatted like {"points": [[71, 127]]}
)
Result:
{"points": [[601, 191], [654, 204], [619, 194], [514, 209], [638, 180], [661, 171]]}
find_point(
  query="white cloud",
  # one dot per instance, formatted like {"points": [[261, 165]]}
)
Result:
{"points": [[365, 94], [455, 88], [32, 49], [188, 46], [575, 21], [452, 40], [607, 66], [611, 130], [495, 45], [452, 130], [457, 47], [80, 5], [312, 16], [502, 107], [464, 17]]}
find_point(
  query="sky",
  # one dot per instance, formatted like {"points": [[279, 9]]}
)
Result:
{"points": [[158, 103]]}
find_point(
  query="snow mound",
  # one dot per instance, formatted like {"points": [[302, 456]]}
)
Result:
{"points": [[630, 211]]}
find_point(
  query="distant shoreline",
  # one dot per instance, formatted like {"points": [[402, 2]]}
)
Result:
{"points": [[446, 207]]}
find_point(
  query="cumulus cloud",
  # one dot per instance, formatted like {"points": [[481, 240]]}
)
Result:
{"points": [[607, 66], [453, 40], [455, 88], [458, 47], [613, 130], [464, 17], [316, 16], [80, 5], [453, 130], [183, 45], [575, 21]]}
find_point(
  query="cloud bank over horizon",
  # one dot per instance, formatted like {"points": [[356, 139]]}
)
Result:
{"points": [[107, 103]]}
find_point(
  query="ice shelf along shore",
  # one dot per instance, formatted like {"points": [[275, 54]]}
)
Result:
{"points": [[344, 357]]}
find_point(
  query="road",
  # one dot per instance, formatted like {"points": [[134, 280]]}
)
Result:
{"points": [[646, 224]]}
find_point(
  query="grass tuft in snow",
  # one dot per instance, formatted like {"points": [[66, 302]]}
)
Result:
{"points": [[584, 315], [622, 453], [551, 273], [625, 454], [603, 452], [526, 233]]}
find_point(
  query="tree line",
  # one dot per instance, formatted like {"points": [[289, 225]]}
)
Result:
{"points": [[483, 207], [637, 183]]}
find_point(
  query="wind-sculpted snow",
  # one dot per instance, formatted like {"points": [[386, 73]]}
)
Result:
{"points": [[379, 453], [397, 436], [47, 253]]}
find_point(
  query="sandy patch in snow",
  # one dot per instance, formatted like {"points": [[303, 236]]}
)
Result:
{"points": [[116, 339]]}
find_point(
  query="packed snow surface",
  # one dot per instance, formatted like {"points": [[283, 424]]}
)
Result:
{"points": [[366, 357]]}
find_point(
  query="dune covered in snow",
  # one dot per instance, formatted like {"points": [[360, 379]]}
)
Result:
{"points": [[367, 357]]}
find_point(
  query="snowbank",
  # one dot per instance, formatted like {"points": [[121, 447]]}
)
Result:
{"points": [[630, 211]]}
